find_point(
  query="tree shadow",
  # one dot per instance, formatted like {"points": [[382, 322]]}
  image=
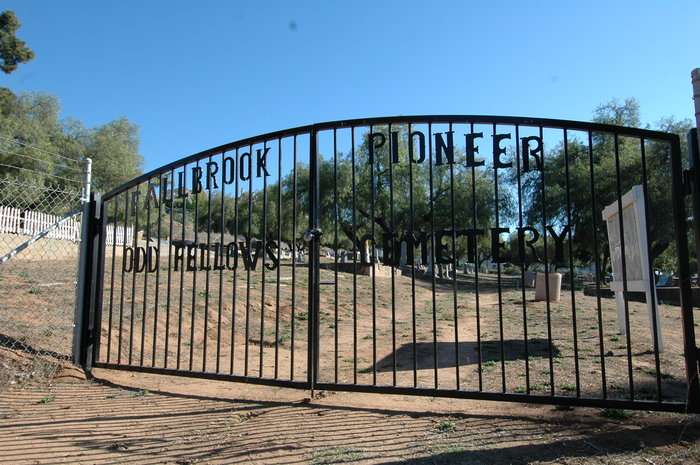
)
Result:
{"points": [[601, 445], [468, 351]]}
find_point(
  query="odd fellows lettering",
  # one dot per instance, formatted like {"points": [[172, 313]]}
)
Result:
{"points": [[193, 256]]}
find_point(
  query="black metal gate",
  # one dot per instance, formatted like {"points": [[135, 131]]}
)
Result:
{"points": [[456, 256]]}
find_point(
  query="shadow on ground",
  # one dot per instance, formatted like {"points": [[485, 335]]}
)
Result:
{"points": [[513, 349], [99, 423]]}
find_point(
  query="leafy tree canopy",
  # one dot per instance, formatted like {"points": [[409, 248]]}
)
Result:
{"points": [[38, 148], [13, 51]]}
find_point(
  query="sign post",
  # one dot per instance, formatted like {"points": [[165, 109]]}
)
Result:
{"points": [[636, 256]]}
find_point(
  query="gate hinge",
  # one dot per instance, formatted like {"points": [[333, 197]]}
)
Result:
{"points": [[688, 175]]}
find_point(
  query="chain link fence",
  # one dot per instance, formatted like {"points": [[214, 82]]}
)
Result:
{"points": [[38, 282]]}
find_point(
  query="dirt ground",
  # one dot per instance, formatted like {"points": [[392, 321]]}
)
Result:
{"points": [[128, 417], [362, 345], [39, 317], [137, 418]]}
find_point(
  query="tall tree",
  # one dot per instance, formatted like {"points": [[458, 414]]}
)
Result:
{"points": [[569, 172], [13, 51]]}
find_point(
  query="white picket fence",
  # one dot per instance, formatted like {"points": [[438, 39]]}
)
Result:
{"points": [[119, 240], [29, 222]]}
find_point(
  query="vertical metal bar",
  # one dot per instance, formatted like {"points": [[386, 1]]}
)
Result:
{"points": [[80, 317], [222, 262], [279, 253], [313, 320], [249, 240], [236, 175], [393, 256], [594, 216], [679, 219], [83, 307], [354, 259], [294, 251], [195, 224], [571, 262], [207, 267], [145, 274], [373, 190], [454, 267], [157, 257], [121, 294], [498, 274], [98, 277], [183, 192], [652, 284], [335, 253], [412, 245], [137, 192], [94, 272], [170, 262], [476, 275], [624, 265], [432, 252], [263, 235], [521, 248], [111, 287], [546, 269], [694, 166]]}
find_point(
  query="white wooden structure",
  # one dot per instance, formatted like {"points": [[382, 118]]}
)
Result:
{"points": [[636, 256], [30, 222]]}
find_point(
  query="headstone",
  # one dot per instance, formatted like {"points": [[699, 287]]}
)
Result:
{"points": [[530, 277], [365, 253], [554, 286], [429, 262]]}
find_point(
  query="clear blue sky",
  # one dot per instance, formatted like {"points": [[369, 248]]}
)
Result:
{"points": [[197, 74]]}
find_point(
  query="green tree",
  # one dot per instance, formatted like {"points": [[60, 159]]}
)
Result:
{"points": [[389, 213], [13, 51], [568, 198], [113, 149]]}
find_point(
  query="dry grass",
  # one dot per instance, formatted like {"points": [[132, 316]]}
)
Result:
{"points": [[394, 337], [38, 317]]}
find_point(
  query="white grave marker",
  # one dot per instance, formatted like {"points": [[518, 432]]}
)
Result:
{"points": [[636, 256]]}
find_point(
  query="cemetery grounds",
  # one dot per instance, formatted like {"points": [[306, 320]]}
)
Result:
{"points": [[49, 412]]}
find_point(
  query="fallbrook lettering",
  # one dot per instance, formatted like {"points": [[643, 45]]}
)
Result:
{"points": [[211, 174]]}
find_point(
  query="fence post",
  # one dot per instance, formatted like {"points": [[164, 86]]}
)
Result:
{"points": [[695, 78], [89, 299], [680, 223], [694, 181], [83, 283], [312, 237]]}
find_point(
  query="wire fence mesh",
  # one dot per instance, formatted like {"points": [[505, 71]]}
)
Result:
{"points": [[38, 285]]}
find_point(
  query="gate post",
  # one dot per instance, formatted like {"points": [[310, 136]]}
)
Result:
{"points": [[679, 218], [89, 287], [312, 237], [694, 184]]}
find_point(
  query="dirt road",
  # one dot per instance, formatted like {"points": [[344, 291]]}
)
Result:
{"points": [[138, 418]]}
